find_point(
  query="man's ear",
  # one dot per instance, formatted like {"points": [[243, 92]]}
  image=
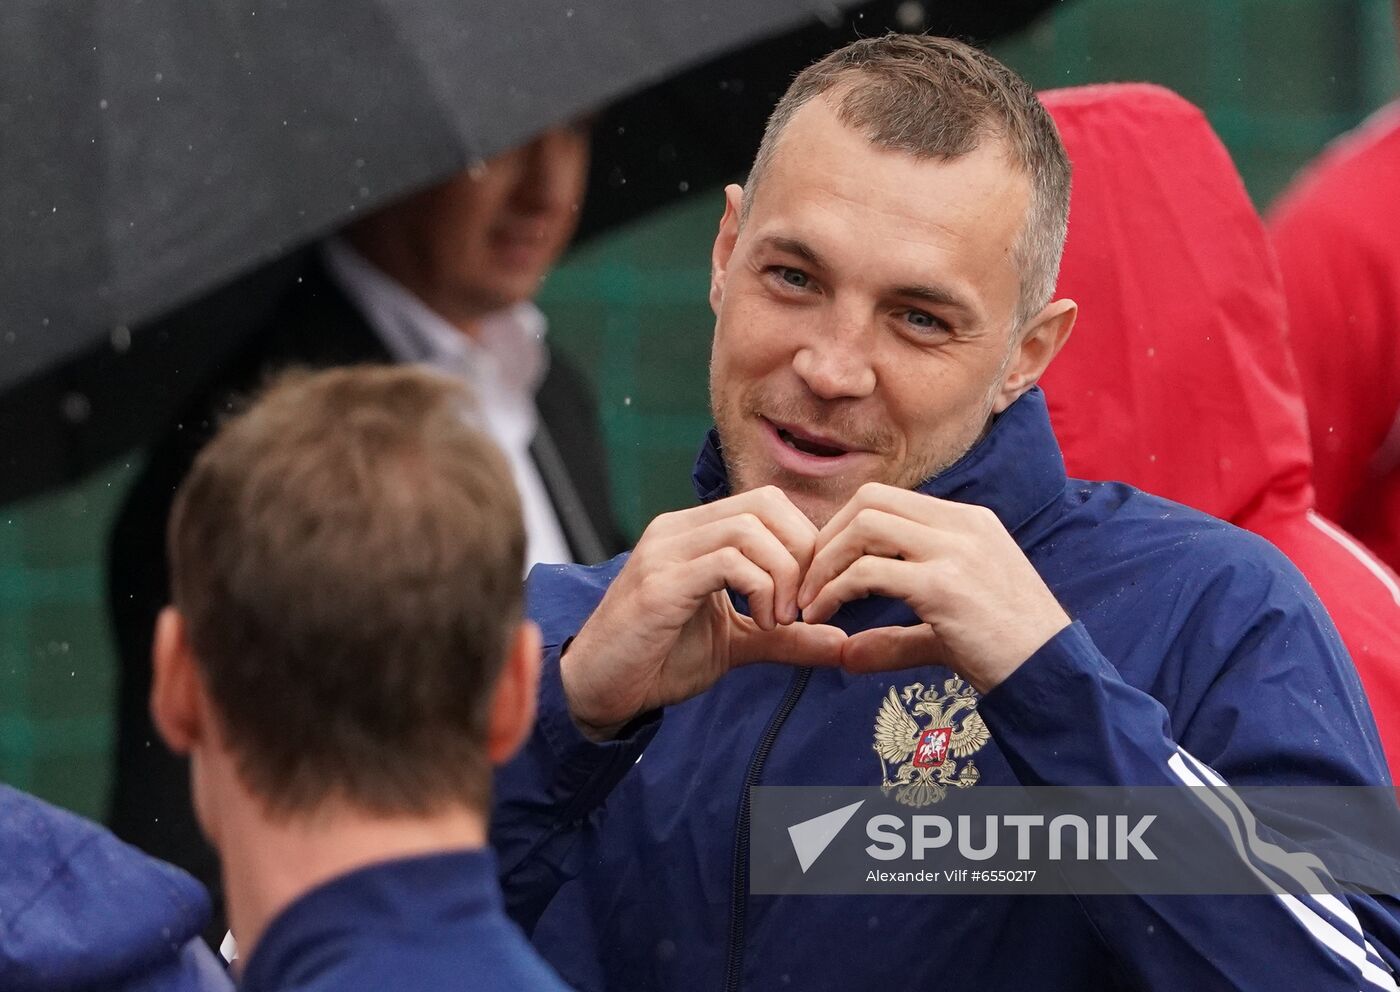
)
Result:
{"points": [[1037, 343], [725, 240], [513, 702], [177, 696]]}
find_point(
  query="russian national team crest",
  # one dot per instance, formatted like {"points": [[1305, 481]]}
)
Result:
{"points": [[926, 739]]}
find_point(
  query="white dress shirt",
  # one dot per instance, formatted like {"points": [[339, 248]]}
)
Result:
{"points": [[503, 364]]}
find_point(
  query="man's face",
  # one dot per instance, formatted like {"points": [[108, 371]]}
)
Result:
{"points": [[486, 238], [863, 313]]}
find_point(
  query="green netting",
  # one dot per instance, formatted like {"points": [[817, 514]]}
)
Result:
{"points": [[1278, 78]]}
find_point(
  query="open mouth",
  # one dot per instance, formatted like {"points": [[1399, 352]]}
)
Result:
{"points": [[806, 445]]}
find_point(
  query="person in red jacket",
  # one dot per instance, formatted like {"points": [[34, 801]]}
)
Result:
{"points": [[1178, 378], [1334, 232]]}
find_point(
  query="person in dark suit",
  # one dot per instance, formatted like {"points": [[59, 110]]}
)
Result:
{"points": [[443, 278]]}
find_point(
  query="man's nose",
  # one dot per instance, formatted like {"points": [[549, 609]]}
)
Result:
{"points": [[836, 363], [550, 173]]}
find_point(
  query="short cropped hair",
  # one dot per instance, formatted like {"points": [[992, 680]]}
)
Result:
{"points": [[939, 98], [347, 554]]}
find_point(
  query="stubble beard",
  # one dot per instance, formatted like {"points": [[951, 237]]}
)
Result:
{"points": [[819, 499]]}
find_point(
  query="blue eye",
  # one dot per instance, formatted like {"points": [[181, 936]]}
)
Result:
{"points": [[793, 277], [921, 320]]}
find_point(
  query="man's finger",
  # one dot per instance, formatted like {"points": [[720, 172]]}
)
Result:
{"points": [[771, 505], [793, 644], [788, 524], [868, 575], [749, 535], [917, 507], [870, 532], [727, 567], [888, 649]]}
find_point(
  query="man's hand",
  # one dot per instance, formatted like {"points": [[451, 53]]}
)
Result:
{"points": [[984, 607], [666, 630]]}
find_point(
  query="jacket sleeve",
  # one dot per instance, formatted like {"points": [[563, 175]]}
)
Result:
{"points": [[551, 792], [1283, 708]]}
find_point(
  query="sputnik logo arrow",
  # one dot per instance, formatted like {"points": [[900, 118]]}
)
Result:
{"points": [[811, 837]]}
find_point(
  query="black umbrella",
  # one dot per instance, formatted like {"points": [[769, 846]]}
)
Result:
{"points": [[180, 149]]}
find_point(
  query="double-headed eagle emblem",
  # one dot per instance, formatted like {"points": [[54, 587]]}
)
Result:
{"points": [[925, 758]]}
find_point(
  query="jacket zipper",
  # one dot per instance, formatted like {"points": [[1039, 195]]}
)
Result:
{"points": [[738, 896]]}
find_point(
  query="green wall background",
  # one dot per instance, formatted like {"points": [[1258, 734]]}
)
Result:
{"points": [[1277, 78]]}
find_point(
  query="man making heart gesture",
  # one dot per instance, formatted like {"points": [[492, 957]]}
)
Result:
{"points": [[885, 517]]}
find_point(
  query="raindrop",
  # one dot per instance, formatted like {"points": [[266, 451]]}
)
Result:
{"points": [[616, 179], [684, 186], [476, 168], [160, 76], [101, 104], [359, 163], [626, 401], [911, 16], [76, 408], [569, 12], [1151, 352], [9, 337], [121, 339], [364, 192], [830, 15]]}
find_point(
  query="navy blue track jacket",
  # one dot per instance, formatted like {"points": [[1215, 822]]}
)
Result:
{"points": [[431, 923], [82, 912], [1197, 652]]}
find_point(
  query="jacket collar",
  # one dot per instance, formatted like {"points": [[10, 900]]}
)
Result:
{"points": [[385, 904], [1015, 470]]}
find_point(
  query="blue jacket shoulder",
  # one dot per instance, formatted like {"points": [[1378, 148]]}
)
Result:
{"points": [[80, 909], [561, 597], [1167, 538]]}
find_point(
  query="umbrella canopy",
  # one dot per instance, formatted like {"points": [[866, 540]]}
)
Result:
{"points": [[154, 153], [156, 149]]}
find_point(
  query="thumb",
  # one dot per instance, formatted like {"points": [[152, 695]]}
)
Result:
{"points": [[797, 643], [888, 649]]}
